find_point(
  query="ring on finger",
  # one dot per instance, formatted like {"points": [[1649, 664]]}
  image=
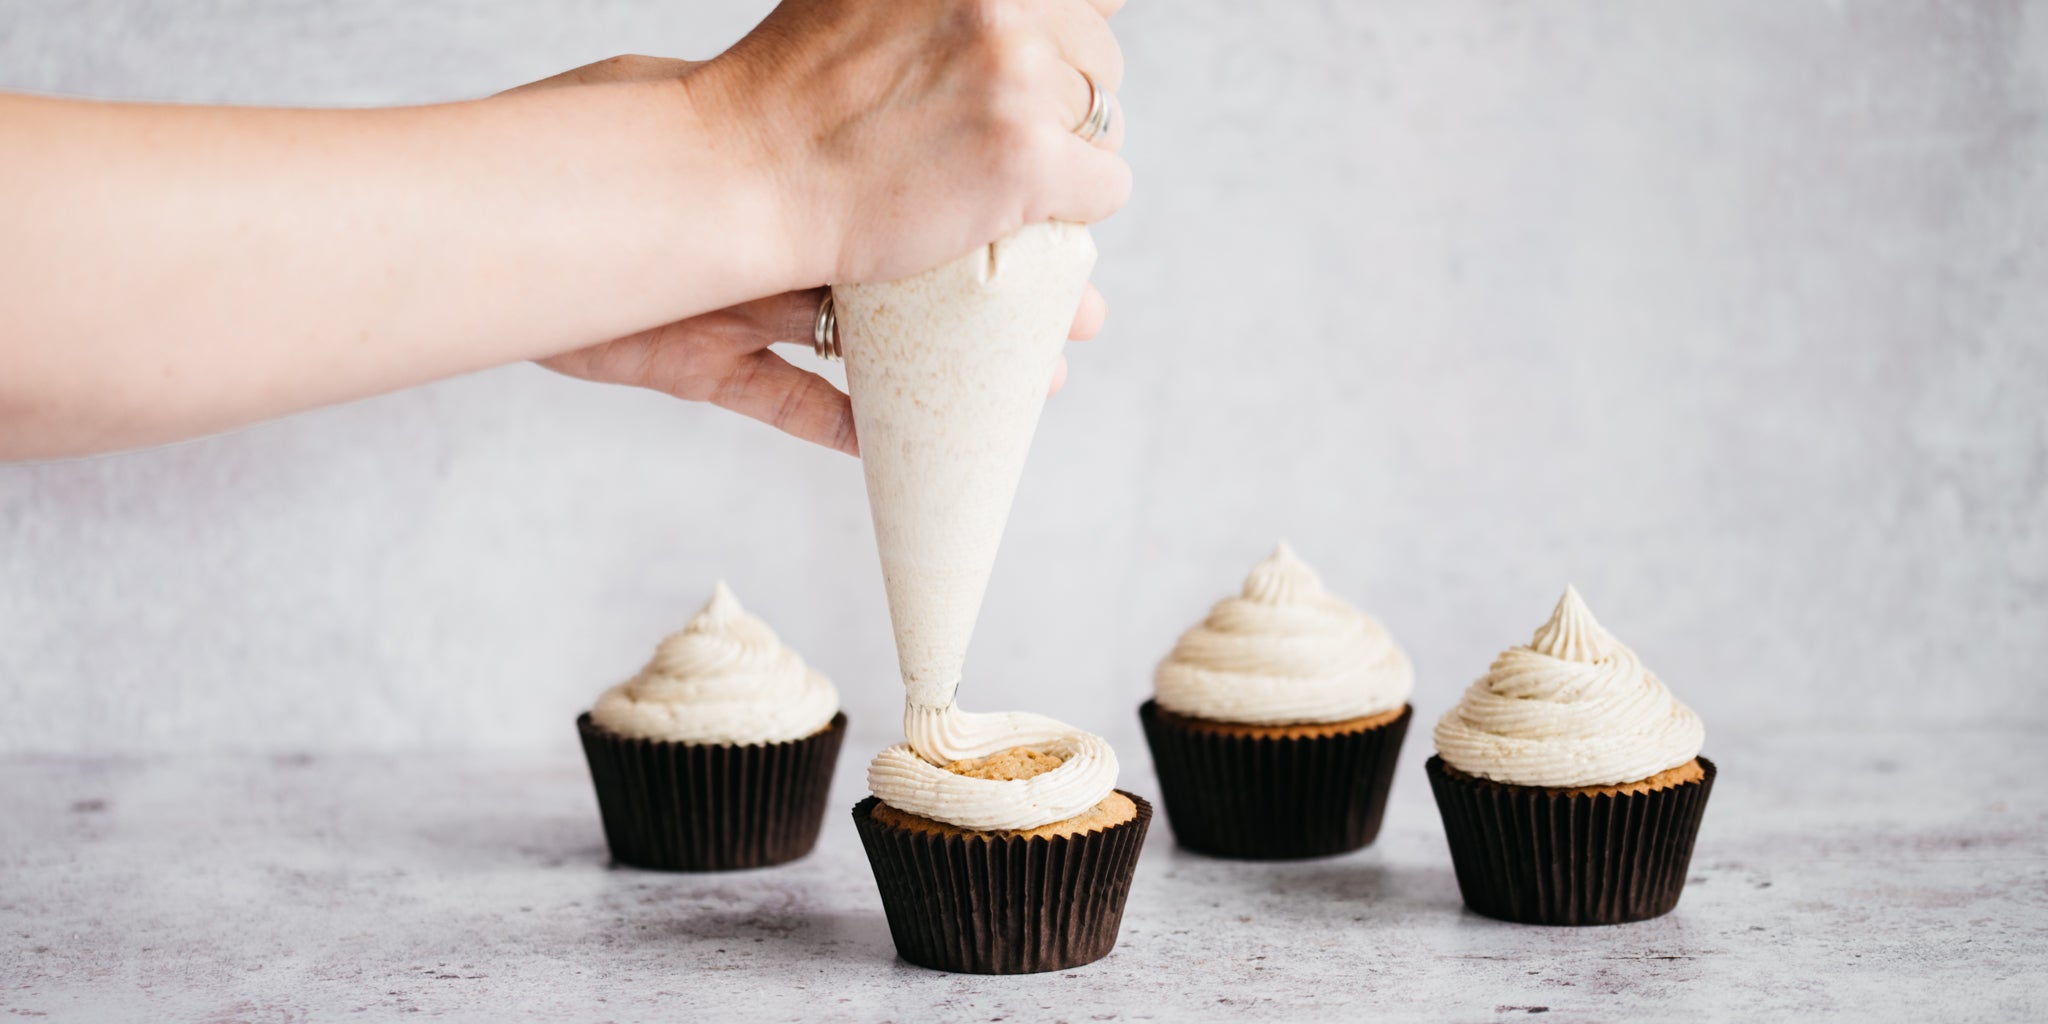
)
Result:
{"points": [[825, 330], [1096, 124]]}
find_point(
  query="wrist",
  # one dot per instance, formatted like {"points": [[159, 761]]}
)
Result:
{"points": [[623, 190], [793, 222]]}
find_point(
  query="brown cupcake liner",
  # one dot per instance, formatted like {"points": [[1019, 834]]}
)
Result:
{"points": [[1273, 798], [708, 806], [976, 904], [1546, 856]]}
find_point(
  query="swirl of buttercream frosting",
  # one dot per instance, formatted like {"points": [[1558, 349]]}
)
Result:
{"points": [[909, 777], [1284, 651], [725, 678], [1575, 707]]}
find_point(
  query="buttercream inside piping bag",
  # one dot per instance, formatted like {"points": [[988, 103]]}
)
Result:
{"points": [[948, 372]]}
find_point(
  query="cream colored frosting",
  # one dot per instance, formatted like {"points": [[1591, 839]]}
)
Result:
{"points": [[948, 371], [1573, 708], [1281, 652], [908, 781], [725, 678]]}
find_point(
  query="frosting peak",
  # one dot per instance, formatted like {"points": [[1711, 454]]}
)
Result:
{"points": [[719, 639], [1283, 578], [723, 678], [1572, 634], [1284, 652], [722, 610], [1574, 708]]}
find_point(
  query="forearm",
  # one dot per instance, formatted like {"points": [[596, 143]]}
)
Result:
{"points": [[171, 271]]}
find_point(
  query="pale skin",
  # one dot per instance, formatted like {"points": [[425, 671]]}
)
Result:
{"points": [[168, 272]]}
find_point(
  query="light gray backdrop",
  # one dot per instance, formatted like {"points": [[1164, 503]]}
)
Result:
{"points": [[1733, 314]]}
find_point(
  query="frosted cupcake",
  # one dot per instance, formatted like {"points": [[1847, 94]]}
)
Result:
{"points": [[1570, 781], [718, 754], [1013, 862], [1276, 722]]}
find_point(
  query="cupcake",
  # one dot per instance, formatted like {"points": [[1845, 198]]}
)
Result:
{"points": [[1570, 781], [1276, 721], [1012, 862], [719, 753]]}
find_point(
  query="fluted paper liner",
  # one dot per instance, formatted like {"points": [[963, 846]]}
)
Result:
{"points": [[1546, 856], [1272, 798], [976, 904], [708, 806]]}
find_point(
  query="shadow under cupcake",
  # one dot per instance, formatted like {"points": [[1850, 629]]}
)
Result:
{"points": [[1277, 721], [1570, 782], [719, 754]]}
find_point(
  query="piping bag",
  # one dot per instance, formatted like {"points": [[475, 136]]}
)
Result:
{"points": [[948, 372]]}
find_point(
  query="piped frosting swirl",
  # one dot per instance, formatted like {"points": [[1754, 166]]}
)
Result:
{"points": [[725, 678], [910, 777], [1575, 707], [1284, 651]]}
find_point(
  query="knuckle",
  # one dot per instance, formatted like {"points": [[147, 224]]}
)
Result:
{"points": [[669, 361], [842, 432], [1005, 61], [1021, 159], [799, 315], [732, 389], [1012, 136], [789, 408], [998, 13]]}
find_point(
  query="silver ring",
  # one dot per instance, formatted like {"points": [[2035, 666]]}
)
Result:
{"points": [[1096, 124], [825, 330]]}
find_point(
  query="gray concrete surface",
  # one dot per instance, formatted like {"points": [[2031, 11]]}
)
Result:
{"points": [[1892, 877], [1731, 313]]}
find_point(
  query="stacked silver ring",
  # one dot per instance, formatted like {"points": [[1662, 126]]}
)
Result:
{"points": [[1096, 124], [825, 330]]}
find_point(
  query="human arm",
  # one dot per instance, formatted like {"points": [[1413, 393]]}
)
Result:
{"points": [[171, 271]]}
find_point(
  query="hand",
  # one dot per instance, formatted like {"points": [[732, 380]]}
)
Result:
{"points": [[723, 357], [339, 254], [899, 135]]}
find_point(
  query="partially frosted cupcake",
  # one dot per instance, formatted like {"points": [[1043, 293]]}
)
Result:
{"points": [[1276, 722], [718, 754], [1012, 862], [1570, 781]]}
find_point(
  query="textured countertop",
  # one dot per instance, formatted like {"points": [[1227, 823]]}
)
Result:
{"points": [[1890, 877]]}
